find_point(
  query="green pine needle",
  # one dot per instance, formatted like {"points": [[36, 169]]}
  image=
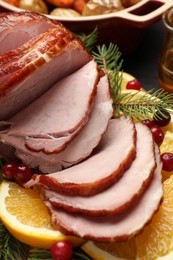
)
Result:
{"points": [[90, 39], [11, 248]]}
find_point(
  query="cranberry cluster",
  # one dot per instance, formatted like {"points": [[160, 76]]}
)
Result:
{"points": [[20, 173]]}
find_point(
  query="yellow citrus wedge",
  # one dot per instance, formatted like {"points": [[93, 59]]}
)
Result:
{"points": [[155, 242], [26, 217], [167, 146], [126, 77], [111, 251], [169, 127]]}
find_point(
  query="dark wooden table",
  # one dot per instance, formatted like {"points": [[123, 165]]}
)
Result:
{"points": [[143, 63]]}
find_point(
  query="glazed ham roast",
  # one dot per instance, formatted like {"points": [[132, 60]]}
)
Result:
{"points": [[102, 176]]}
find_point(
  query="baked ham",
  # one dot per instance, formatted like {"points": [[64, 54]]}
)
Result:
{"points": [[124, 192], [104, 167], [113, 228], [48, 126], [31, 81], [81, 146], [17, 28]]}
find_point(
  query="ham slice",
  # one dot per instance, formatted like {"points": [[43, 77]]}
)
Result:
{"points": [[114, 228], [48, 126], [63, 58], [81, 146], [123, 193], [113, 156], [18, 27]]}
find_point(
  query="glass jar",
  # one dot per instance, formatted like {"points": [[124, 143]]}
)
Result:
{"points": [[165, 69]]}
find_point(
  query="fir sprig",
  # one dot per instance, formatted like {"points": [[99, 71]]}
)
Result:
{"points": [[11, 248], [147, 106], [90, 39], [37, 254]]}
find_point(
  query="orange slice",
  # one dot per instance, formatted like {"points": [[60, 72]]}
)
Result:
{"points": [[26, 217]]}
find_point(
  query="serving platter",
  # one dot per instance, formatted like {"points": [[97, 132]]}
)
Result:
{"points": [[106, 259]]}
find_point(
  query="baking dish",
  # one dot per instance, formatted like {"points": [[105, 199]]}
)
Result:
{"points": [[124, 27]]}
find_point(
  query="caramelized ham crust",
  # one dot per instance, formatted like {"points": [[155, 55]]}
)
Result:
{"points": [[31, 51], [56, 117], [115, 228], [81, 146], [124, 192], [18, 27], [112, 157]]}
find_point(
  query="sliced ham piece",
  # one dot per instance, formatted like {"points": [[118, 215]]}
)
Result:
{"points": [[124, 192], [115, 228], [18, 27], [112, 157], [57, 116], [34, 49], [81, 146], [64, 58]]}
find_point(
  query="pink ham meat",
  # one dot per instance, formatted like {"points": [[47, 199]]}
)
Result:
{"points": [[17, 28], [30, 51], [113, 156], [48, 126], [123, 193], [63, 58], [81, 146], [115, 228]]}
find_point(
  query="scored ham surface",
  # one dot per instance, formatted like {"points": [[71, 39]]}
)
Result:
{"points": [[81, 146], [124, 192], [112, 157], [17, 28], [114, 228], [30, 51], [31, 81], [57, 116]]}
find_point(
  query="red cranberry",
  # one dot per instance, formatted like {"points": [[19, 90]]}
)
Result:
{"points": [[61, 250], [148, 123], [23, 173], [162, 119], [167, 159], [9, 170], [158, 134], [133, 84]]}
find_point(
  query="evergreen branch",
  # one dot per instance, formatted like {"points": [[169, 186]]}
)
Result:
{"points": [[90, 39], [10, 247], [107, 57], [37, 254], [147, 106]]}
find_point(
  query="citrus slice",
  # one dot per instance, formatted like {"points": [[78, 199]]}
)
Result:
{"points": [[126, 77], [157, 238], [155, 242], [169, 127], [167, 146], [26, 217]]}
